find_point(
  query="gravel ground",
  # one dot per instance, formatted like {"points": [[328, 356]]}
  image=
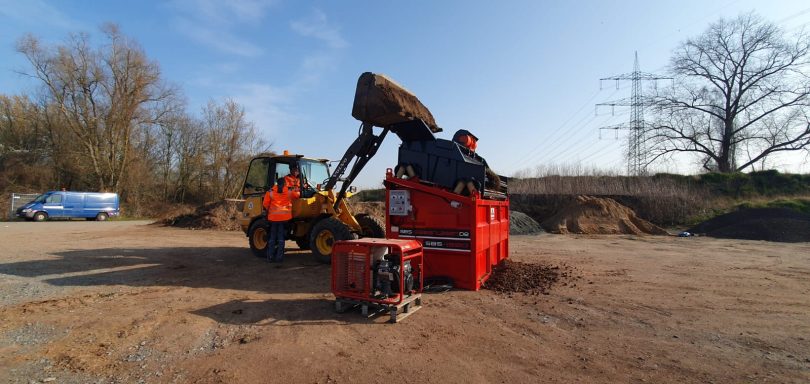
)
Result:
{"points": [[125, 302]]}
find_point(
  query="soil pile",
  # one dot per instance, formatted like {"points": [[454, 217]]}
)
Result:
{"points": [[372, 208], [382, 102], [599, 216], [770, 224], [521, 224], [219, 215], [533, 279]]}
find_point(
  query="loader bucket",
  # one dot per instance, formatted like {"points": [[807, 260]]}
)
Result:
{"points": [[382, 102]]}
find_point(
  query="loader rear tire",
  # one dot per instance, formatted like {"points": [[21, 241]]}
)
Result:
{"points": [[324, 234], [372, 226], [257, 238]]}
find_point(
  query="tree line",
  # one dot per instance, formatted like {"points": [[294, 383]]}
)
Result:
{"points": [[105, 119]]}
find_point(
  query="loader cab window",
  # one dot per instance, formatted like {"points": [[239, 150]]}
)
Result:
{"points": [[257, 180], [314, 172], [282, 169]]}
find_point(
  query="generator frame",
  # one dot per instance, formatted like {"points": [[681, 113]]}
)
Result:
{"points": [[352, 267]]}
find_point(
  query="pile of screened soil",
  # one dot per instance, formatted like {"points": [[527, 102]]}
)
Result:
{"points": [[770, 224], [374, 209], [533, 279], [219, 215], [521, 224], [599, 216]]}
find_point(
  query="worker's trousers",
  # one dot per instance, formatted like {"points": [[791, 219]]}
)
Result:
{"points": [[275, 241]]}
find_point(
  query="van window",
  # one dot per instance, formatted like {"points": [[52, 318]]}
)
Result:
{"points": [[56, 199], [74, 198]]}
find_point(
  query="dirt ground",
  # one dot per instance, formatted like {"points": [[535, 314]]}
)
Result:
{"points": [[127, 302]]}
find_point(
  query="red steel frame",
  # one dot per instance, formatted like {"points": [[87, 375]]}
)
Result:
{"points": [[351, 268], [463, 237]]}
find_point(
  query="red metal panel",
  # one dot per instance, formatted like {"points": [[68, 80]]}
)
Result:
{"points": [[463, 237]]}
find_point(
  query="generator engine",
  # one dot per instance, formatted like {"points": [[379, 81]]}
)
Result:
{"points": [[381, 273], [386, 277]]}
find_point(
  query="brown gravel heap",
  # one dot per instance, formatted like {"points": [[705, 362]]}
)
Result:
{"points": [[599, 216], [219, 215], [533, 279]]}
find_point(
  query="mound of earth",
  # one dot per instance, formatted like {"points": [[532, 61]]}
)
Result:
{"points": [[534, 279], [521, 224], [382, 102], [599, 216], [219, 215], [770, 224], [372, 208]]}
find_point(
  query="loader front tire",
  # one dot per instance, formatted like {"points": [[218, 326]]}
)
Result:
{"points": [[324, 235], [257, 237]]}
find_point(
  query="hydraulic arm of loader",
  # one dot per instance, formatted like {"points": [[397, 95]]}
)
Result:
{"points": [[361, 151]]}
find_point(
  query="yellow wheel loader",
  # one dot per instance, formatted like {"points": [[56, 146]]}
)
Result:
{"points": [[321, 215]]}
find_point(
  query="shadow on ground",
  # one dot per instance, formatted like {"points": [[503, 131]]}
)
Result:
{"points": [[195, 267], [315, 311]]}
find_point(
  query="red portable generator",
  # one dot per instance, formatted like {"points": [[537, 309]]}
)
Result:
{"points": [[379, 273]]}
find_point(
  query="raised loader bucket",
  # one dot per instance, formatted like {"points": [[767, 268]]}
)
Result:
{"points": [[382, 102]]}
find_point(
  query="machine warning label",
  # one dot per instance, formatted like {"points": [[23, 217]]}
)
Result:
{"points": [[431, 232]]}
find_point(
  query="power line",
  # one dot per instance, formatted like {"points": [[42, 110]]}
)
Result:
{"points": [[531, 152], [563, 136], [559, 151]]}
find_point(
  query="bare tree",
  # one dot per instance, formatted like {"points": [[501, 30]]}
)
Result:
{"points": [[741, 89], [101, 95], [232, 140]]}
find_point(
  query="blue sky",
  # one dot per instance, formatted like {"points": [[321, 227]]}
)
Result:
{"points": [[522, 75]]}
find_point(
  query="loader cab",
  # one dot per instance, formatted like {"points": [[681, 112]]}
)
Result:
{"points": [[263, 173]]}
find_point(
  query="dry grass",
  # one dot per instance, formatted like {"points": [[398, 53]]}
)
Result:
{"points": [[661, 199]]}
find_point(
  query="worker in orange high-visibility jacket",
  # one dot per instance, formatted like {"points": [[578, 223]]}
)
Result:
{"points": [[278, 203], [293, 180]]}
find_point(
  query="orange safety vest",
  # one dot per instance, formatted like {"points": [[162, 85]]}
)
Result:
{"points": [[293, 183], [279, 204]]}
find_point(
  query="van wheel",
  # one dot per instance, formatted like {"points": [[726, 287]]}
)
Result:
{"points": [[102, 217], [40, 216]]}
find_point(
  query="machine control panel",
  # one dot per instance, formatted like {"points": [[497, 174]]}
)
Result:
{"points": [[399, 202]]}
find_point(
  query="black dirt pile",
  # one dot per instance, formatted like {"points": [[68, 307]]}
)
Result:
{"points": [[533, 279], [770, 224], [219, 215], [521, 224]]}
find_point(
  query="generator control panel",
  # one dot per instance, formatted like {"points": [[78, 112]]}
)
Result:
{"points": [[399, 202]]}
